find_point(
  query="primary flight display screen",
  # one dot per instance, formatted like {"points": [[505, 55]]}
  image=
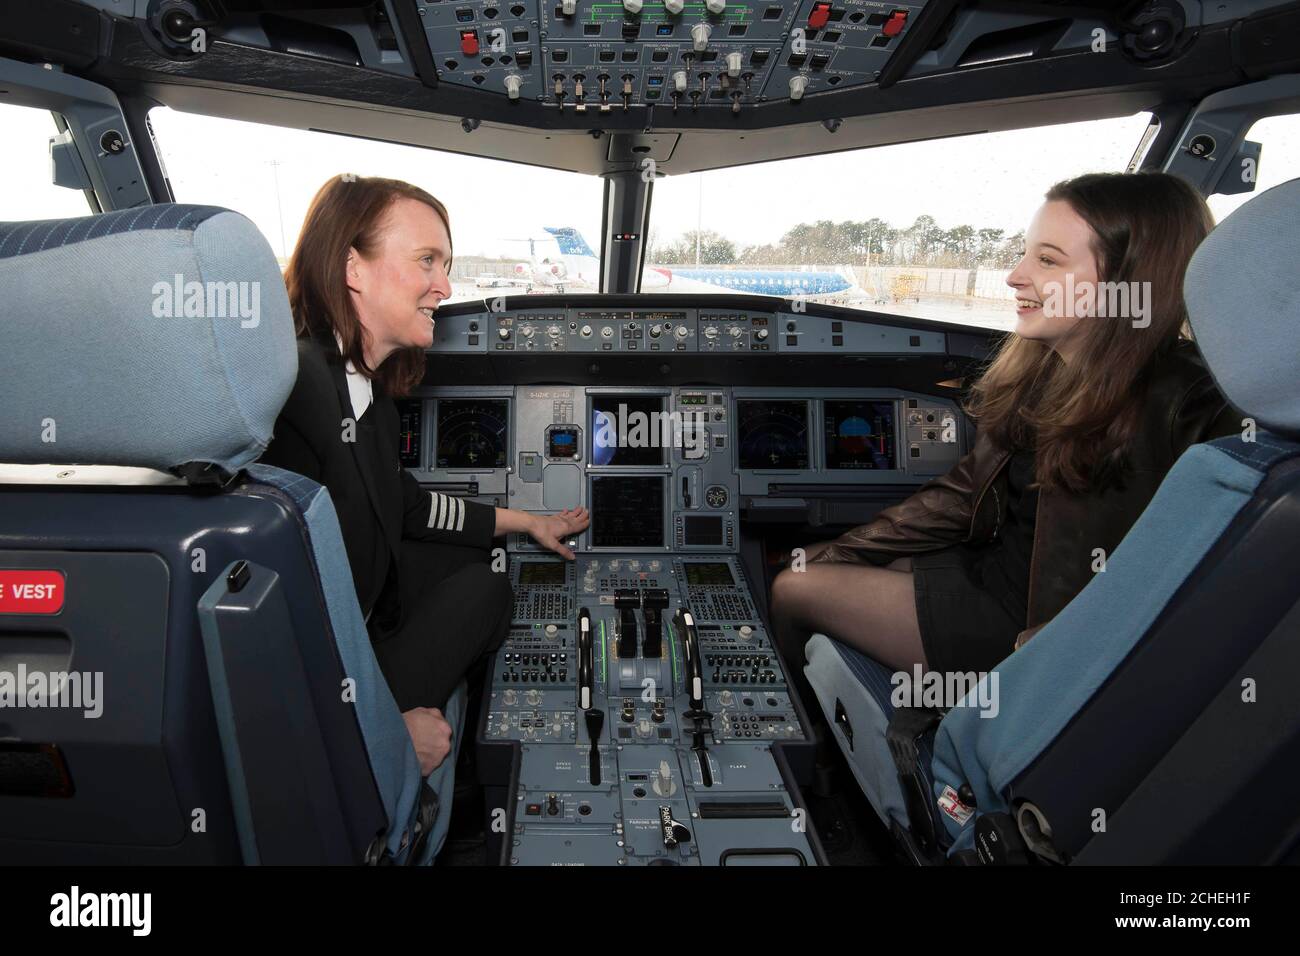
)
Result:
{"points": [[410, 414], [627, 511], [473, 433], [859, 434], [706, 574], [628, 430], [771, 434]]}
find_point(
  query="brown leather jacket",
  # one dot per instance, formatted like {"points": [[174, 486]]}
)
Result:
{"points": [[967, 505]]}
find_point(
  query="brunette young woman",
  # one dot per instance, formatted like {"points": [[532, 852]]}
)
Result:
{"points": [[1079, 416]]}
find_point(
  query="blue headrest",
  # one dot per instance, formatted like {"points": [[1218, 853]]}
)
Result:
{"points": [[149, 337], [1243, 301]]}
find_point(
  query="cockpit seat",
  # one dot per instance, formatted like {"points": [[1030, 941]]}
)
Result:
{"points": [[1154, 720], [185, 676]]}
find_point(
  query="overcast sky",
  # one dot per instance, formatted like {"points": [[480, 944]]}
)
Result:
{"points": [[270, 174]]}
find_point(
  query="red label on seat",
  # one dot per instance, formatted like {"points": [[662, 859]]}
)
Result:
{"points": [[31, 592]]}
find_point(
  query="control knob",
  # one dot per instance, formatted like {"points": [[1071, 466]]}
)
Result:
{"points": [[733, 63], [632, 6], [798, 84], [760, 334], [679, 82], [710, 332], [513, 83], [699, 39], [681, 332], [674, 7], [526, 332], [715, 6], [503, 333], [568, 7], [586, 332]]}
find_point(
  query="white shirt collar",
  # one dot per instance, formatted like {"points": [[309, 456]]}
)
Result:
{"points": [[360, 389]]}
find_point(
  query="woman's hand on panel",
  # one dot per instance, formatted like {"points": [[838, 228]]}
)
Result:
{"points": [[550, 530]]}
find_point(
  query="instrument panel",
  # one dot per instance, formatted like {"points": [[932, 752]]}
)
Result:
{"points": [[650, 715], [596, 56], [753, 332], [669, 469]]}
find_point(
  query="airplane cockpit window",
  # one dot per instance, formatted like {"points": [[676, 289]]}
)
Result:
{"points": [[868, 229], [1277, 163], [26, 188], [512, 223]]}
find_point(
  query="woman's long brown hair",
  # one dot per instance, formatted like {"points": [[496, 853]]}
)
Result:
{"points": [[1082, 416], [349, 214]]}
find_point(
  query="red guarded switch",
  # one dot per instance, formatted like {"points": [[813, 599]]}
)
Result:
{"points": [[894, 25], [469, 43], [821, 12]]}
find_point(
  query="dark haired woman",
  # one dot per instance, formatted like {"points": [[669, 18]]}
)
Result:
{"points": [[1080, 416], [368, 272]]}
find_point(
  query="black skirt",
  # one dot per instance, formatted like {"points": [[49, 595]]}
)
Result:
{"points": [[964, 625]]}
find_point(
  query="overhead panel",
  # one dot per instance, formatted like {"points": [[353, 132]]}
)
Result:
{"points": [[598, 56]]}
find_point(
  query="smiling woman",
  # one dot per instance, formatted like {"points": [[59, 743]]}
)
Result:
{"points": [[364, 281]]}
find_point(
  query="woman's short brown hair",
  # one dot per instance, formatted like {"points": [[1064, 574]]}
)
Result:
{"points": [[348, 213]]}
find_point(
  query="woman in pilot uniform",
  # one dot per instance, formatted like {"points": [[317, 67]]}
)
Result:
{"points": [[369, 270], [1080, 416]]}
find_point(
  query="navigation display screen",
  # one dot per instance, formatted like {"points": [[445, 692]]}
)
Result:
{"points": [[859, 434], [627, 511], [541, 572], [629, 430], [772, 435], [473, 433], [708, 574]]}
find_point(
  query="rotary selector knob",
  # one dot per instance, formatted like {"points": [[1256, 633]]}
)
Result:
{"points": [[553, 331], [526, 332], [533, 698], [503, 333], [760, 334], [510, 697], [734, 331], [632, 6], [655, 331], [734, 59], [746, 631], [674, 7], [513, 82], [606, 333], [715, 6], [710, 332], [551, 630], [700, 38], [586, 332], [726, 698], [679, 81], [655, 565], [681, 332], [798, 84], [568, 7]]}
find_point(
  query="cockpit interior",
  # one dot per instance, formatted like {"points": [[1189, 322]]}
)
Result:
{"points": [[724, 276]]}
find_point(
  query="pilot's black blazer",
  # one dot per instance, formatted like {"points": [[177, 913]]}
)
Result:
{"points": [[378, 501]]}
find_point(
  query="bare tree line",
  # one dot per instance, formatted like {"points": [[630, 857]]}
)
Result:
{"points": [[871, 242]]}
